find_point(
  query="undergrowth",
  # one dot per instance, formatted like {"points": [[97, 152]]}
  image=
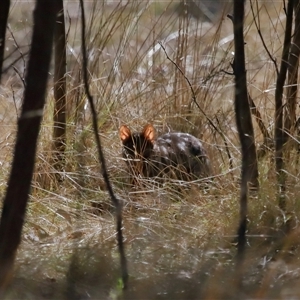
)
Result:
{"points": [[179, 237]]}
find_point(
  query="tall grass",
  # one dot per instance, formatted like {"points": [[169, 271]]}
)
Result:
{"points": [[175, 229]]}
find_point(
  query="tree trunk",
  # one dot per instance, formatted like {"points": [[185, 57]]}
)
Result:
{"points": [[279, 133], [290, 115], [249, 172], [15, 200], [59, 131], [5, 4]]}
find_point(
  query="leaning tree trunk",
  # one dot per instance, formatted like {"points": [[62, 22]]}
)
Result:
{"points": [[15, 201], [59, 131], [249, 174], [114, 199], [5, 4], [279, 132]]}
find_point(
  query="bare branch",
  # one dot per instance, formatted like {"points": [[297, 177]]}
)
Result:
{"points": [[199, 107], [114, 199], [20, 76], [257, 25]]}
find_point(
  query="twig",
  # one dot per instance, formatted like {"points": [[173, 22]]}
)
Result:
{"points": [[267, 143], [22, 78], [226, 72], [195, 101], [13, 92], [115, 201], [257, 25], [10, 65], [258, 118], [20, 51]]}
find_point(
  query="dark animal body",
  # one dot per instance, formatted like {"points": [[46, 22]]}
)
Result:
{"points": [[177, 155]]}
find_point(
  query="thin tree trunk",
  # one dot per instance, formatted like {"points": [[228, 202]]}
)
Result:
{"points": [[59, 131], [249, 172], [4, 4], [114, 199], [290, 115], [279, 133], [15, 200]]}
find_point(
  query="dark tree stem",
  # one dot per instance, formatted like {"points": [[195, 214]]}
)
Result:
{"points": [[279, 132], [292, 86], [17, 193], [114, 199], [4, 10], [249, 174]]}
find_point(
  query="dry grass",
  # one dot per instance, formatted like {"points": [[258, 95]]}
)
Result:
{"points": [[179, 239]]}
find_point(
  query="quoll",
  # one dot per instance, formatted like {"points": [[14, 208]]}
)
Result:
{"points": [[176, 154]]}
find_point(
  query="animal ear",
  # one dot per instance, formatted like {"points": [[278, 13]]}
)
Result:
{"points": [[149, 133], [124, 133]]}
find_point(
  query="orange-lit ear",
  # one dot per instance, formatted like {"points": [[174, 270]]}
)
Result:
{"points": [[149, 132], [124, 133]]}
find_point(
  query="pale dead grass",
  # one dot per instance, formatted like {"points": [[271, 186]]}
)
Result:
{"points": [[169, 227]]}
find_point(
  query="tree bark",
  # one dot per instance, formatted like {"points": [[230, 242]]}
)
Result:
{"points": [[17, 193]]}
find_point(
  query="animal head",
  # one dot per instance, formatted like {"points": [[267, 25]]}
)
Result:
{"points": [[137, 147]]}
